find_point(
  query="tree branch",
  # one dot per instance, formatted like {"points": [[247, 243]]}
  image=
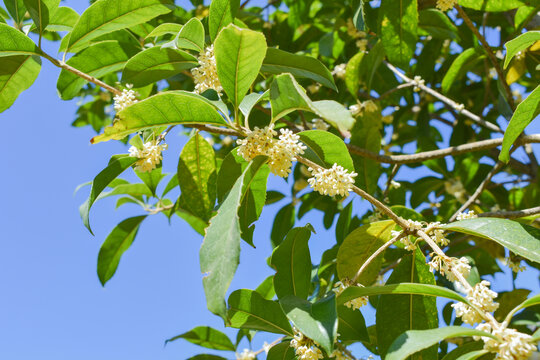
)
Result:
{"points": [[512, 214]]}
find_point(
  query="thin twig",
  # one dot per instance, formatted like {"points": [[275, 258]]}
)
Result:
{"points": [[512, 214], [391, 177]]}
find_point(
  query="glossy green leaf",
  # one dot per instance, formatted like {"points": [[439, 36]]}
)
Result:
{"points": [[326, 149], [207, 337], [165, 29], [222, 13], [302, 66], [118, 241], [63, 19], [352, 73], [399, 313], [16, 9], [127, 189], [459, 68], [351, 325], [197, 176], [195, 222], [17, 73], [492, 5], [249, 310], [318, 321], [14, 42], [283, 223], [292, 262], [523, 240], [354, 292], [399, 22], [97, 60], [413, 341], [250, 101], [117, 165], [525, 112], [156, 64], [163, 109], [239, 56], [220, 251], [358, 246], [358, 18], [191, 36], [520, 43], [41, 11], [464, 350], [281, 351], [106, 16]]}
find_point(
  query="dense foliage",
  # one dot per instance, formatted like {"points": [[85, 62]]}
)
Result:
{"points": [[417, 84]]}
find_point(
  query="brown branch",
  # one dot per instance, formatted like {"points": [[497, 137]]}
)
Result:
{"points": [[512, 214]]}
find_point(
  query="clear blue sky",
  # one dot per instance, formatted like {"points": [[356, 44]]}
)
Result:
{"points": [[52, 304]]}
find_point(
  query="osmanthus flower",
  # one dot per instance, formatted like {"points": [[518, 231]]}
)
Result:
{"points": [[333, 181], [354, 304], [513, 345], [246, 355], [447, 264], [456, 188], [126, 99], [205, 75], [340, 71], [469, 215], [304, 347], [149, 156], [480, 296], [445, 5], [320, 124], [514, 265]]}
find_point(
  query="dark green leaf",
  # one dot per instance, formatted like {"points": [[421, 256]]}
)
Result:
{"points": [[520, 43], [358, 18], [222, 13], [41, 11], [437, 24], [399, 22], [281, 351], [351, 325], [17, 73], [459, 68], [283, 222], [207, 337], [16, 9]]}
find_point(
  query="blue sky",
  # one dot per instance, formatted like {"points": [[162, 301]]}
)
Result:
{"points": [[53, 306]]}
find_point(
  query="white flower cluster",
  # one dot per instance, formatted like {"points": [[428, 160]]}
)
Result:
{"points": [[367, 105], [126, 99], [333, 181], [446, 265], [418, 82], [246, 355], [438, 235], [281, 152], [149, 155], [456, 188], [205, 75], [313, 88], [354, 304], [480, 296], [445, 5], [304, 347], [340, 71], [515, 266], [320, 124], [469, 215], [513, 345]]}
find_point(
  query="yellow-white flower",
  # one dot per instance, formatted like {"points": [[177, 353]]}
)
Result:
{"points": [[149, 156], [515, 266], [445, 5], [205, 75], [354, 304], [246, 355], [469, 215], [456, 188], [446, 265], [513, 345], [333, 181], [320, 124], [418, 82], [304, 347], [340, 71], [480, 296], [126, 99], [257, 142]]}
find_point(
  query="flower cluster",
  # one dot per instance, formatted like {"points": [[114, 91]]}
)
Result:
{"points": [[205, 75], [481, 297], [126, 99], [456, 188], [469, 215], [513, 345], [333, 181], [445, 5], [514, 265], [320, 124], [304, 347], [367, 105], [446, 265], [340, 71], [149, 156], [354, 304], [438, 235], [246, 355], [281, 152], [418, 82]]}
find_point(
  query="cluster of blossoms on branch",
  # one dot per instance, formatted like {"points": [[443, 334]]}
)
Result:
{"points": [[205, 75], [445, 265], [246, 355], [481, 297], [513, 345], [308, 349], [445, 5], [354, 304], [149, 155], [333, 181], [126, 99]]}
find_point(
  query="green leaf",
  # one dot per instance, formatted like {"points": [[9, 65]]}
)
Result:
{"points": [[334, 113], [151, 178], [14, 42], [354, 292], [413, 341], [220, 251], [16, 9], [239, 56], [292, 262], [459, 68], [63, 19], [222, 13], [520, 239], [358, 18], [97, 60], [352, 73], [351, 325], [17, 73], [283, 223], [106, 16], [302, 66], [250, 101], [165, 29], [399, 22], [525, 112], [206, 357], [118, 241], [191, 36], [195, 222], [326, 149], [197, 176], [399, 313], [164, 109], [437, 24], [156, 64], [127, 189], [318, 321], [249, 310], [358, 247], [492, 5], [207, 337], [281, 351], [464, 350], [117, 165], [41, 12]]}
